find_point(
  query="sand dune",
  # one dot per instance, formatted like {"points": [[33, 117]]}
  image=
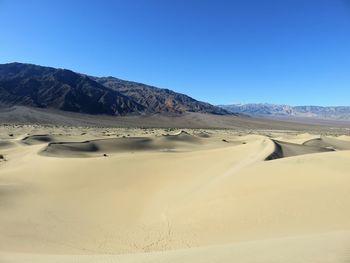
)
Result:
{"points": [[168, 143], [173, 196], [6, 144], [328, 247], [286, 149], [327, 142], [38, 139], [297, 138], [343, 138]]}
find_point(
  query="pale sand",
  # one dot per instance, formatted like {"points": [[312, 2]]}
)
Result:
{"points": [[193, 196]]}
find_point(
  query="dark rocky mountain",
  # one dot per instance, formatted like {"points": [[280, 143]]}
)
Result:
{"points": [[158, 100], [273, 110], [45, 87], [62, 89]]}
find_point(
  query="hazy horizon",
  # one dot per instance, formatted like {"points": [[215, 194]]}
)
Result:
{"points": [[281, 104]]}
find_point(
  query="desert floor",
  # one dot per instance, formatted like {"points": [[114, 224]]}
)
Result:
{"points": [[168, 195]]}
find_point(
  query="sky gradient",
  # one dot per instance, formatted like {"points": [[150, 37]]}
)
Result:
{"points": [[277, 51]]}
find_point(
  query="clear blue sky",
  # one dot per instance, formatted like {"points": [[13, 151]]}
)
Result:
{"points": [[279, 51]]}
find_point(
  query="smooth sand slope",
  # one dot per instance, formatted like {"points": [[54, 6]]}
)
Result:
{"points": [[114, 195]]}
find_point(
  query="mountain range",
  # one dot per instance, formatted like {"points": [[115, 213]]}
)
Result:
{"points": [[62, 89], [65, 90], [287, 111]]}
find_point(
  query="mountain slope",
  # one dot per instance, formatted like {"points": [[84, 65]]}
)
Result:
{"points": [[46, 87], [158, 100], [273, 110]]}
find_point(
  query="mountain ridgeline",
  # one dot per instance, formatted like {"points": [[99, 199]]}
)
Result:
{"points": [[286, 111], [62, 89]]}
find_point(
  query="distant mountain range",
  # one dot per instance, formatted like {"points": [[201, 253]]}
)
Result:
{"points": [[62, 89], [285, 111]]}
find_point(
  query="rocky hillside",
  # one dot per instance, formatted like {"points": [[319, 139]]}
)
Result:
{"points": [[62, 89], [158, 100], [45, 87]]}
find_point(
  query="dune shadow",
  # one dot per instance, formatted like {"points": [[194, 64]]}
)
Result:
{"points": [[103, 147], [286, 149], [38, 139]]}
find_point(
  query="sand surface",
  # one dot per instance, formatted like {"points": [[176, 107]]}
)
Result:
{"points": [[168, 195]]}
